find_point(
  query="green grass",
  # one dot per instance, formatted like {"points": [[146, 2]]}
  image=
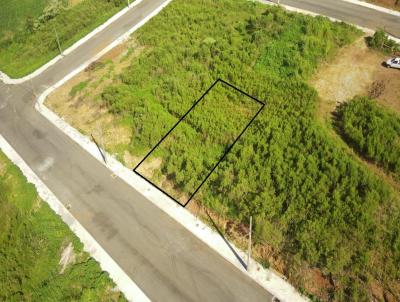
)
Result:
{"points": [[13, 14], [197, 143], [316, 205], [374, 131], [78, 88], [32, 238], [27, 50]]}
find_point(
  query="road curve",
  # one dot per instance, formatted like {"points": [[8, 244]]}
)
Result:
{"points": [[162, 257], [349, 12]]}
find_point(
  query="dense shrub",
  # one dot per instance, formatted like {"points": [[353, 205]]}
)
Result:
{"points": [[373, 131], [381, 41], [310, 200]]}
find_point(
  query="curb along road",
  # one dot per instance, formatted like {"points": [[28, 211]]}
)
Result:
{"points": [[7, 80], [124, 283], [267, 279], [15, 131]]}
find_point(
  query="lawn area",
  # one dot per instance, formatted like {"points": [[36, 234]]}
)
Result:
{"points": [[321, 217], [373, 130], [32, 241], [13, 14], [27, 31]]}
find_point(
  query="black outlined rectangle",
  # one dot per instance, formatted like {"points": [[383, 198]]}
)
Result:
{"points": [[220, 159]]}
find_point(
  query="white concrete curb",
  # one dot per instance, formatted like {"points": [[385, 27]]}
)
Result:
{"points": [[306, 12], [124, 283], [266, 278], [7, 80], [375, 7]]}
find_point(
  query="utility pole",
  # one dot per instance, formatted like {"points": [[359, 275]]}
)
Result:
{"points": [[249, 249], [129, 4], [58, 40]]}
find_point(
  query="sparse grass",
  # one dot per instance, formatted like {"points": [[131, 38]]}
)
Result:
{"points": [[32, 238], [311, 201], [78, 88]]}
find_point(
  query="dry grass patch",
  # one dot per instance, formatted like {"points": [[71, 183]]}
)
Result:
{"points": [[78, 101], [356, 70], [3, 167]]}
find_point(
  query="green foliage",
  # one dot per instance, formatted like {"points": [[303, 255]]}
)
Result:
{"points": [[203, 136], [28, 49], [373, 130], [309, 198], [13, 14], [32, 237], [380, 41], [78, 88]]}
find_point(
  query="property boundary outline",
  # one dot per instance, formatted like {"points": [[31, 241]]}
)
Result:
{"points": [[220, 159]]}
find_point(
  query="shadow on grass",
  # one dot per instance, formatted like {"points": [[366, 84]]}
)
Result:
{"points": [[227, 242]]}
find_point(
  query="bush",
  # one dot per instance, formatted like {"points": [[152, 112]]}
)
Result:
{"points": [[380, 41], [373, 131], [28, 49], [310, 200]]}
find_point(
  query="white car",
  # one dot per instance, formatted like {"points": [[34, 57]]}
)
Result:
{"points": [[393, 62]]}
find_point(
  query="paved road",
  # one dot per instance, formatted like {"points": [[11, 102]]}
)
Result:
{"points": [[348, 12], [165, 260]]}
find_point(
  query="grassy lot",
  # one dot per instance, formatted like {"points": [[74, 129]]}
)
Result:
{"points": [[373, 130], [13, 14], [32, 240], [322, 218], [392, 4], [32, 41]]}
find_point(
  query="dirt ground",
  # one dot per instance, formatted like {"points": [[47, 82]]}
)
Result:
{"points": [[356, 70], [352, 72], [83, 109]]}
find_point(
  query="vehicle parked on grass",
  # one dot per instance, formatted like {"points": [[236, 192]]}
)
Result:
{"points": [[393, 63]]}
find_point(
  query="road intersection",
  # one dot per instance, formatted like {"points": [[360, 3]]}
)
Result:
{"points": [[162, 257]]}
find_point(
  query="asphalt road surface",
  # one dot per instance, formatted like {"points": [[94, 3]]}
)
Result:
{"points": [[164, 259], [348, 12]]}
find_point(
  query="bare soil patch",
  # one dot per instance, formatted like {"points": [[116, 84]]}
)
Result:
{"points": [[78, 101], [356, 70], [311, 279]]}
